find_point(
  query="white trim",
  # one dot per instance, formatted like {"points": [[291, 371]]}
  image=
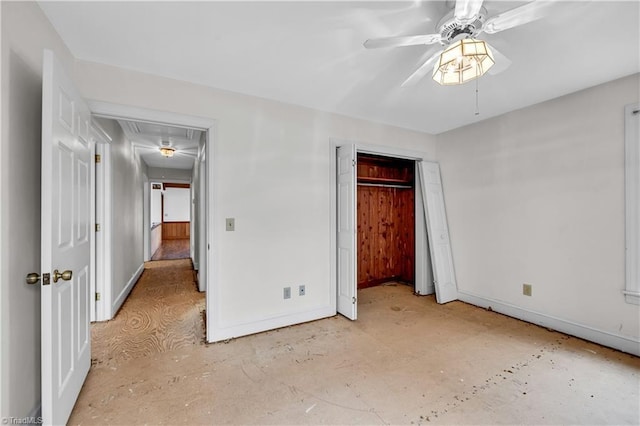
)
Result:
{"points": [[103, 136], [406, 154], [616, 341], [146, 115], [4, 275], [213, 216], [333, 225], [632, 297], [103, 253], [126, 290], [260, 325], [146, 218], [92, 224], [632, 202], [423, 272], [101, 143]]}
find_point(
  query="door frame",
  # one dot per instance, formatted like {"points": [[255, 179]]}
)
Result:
{"points": [[421, 252], [100, 239], [209, 126]]}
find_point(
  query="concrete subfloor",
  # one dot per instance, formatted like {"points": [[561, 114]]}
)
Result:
{"points": [[406, 360]]}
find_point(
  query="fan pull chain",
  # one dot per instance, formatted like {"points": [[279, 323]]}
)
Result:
{"points": [[477, 107]]}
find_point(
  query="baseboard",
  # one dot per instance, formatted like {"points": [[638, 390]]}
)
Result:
{"points": [[616, 341], [430, 290], [125, 291], [217, 334]]}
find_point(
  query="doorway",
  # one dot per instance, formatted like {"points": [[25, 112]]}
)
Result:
{"points": [[172, 221], [194, 181]]}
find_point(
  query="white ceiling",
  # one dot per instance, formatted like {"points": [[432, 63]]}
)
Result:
{"points": [[147, 139], [311, 53]]}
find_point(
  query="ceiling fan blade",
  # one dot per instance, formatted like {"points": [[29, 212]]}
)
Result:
{"points": [[424, 69], [518, 16], [467, 10], [501, 62], [399, 41]]}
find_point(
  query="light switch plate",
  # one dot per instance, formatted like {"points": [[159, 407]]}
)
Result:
{"points": [[230, 224]]}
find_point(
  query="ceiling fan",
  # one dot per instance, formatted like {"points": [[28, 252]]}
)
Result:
{"points": [[465, 21]]}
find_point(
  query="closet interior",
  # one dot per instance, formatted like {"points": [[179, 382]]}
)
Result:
{"points": [[386, 220]]}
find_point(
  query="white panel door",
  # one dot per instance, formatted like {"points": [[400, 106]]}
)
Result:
{"points": [[438, 232], [66, 192], [347, 284]]}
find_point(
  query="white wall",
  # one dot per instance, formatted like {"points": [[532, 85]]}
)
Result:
{"points": [[127, 210], [25, 32], [156, 204], [537, 196], [161, 174], [271, 165], [177, 204]]}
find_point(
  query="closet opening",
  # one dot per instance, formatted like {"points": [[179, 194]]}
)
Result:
{"points": [[386, 221]]}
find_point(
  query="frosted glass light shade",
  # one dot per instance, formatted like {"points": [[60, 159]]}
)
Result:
{"points": [[167, 151], [464, 60]]}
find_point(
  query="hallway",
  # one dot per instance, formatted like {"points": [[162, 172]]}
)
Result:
{"points": [[163, 312]]}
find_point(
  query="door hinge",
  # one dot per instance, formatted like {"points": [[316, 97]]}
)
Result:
{"points": [[353, 163], [98, 158], [97, 297], [97, 227], [354, 300]]}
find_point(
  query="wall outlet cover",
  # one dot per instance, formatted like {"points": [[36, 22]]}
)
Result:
{"points": [[301, 291], [526, 289], [287, 293]]}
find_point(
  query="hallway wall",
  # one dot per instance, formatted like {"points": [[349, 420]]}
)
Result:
{"points": [[25, 32], [126, 229]]}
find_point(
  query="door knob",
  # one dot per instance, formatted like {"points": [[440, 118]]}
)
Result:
{"points": [[66, 275], [33, 278]]}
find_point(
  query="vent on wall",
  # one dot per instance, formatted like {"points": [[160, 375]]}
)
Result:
{"points": [[131, 126]]}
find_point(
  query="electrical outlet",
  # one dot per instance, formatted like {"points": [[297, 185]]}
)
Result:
{"points": [[301, 291], [230, 224], [526, 289], [287, 293]]}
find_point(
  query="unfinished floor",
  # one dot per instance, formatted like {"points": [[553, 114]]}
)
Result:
{"points": [[406, 360]]}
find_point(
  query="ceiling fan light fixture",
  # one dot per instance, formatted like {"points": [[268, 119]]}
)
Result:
{"points": [[167, 151], [464, 60]]}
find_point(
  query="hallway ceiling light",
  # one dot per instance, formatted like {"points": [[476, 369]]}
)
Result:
{"points": [[167, 151], [464, 60]]}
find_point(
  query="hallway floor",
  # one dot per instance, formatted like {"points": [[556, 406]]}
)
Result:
{"points": [[162, 313], [173, 249], [406, 360]]}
